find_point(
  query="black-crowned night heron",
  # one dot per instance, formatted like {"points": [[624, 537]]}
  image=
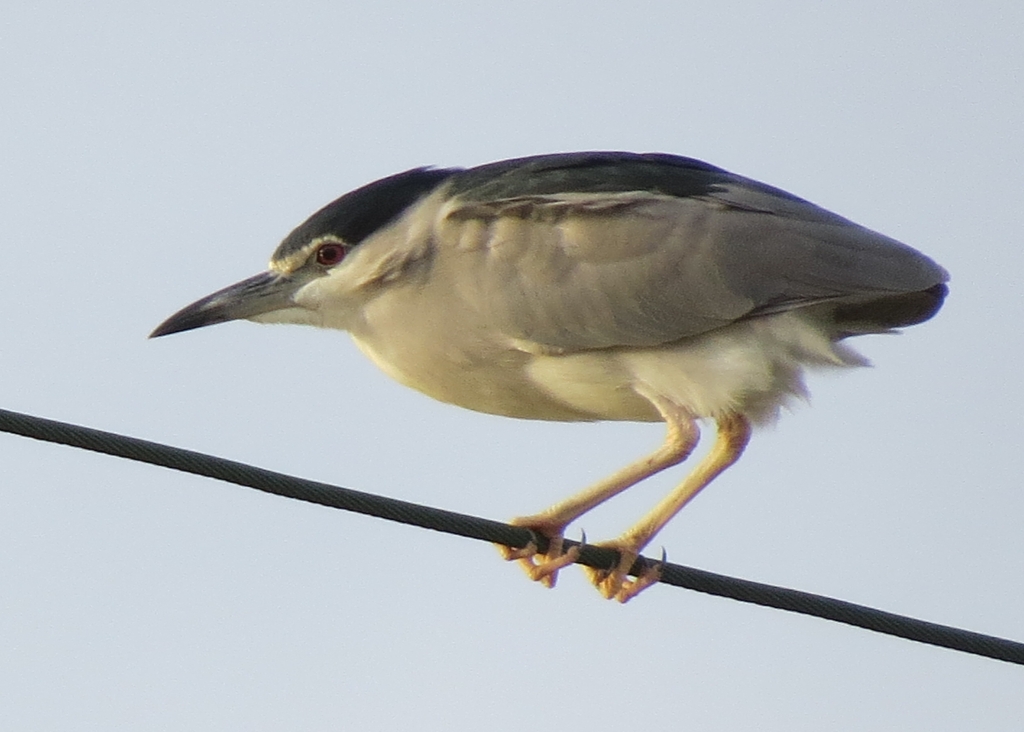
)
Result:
{"points": [[592, 286]]}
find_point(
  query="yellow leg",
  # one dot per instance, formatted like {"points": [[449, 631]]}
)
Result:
{"points": [[680, 439], [733, 436]]}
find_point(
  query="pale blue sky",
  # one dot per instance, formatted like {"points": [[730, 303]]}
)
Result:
{"points": [[149, 155]]}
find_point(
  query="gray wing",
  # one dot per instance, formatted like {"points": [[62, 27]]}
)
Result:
{"points": [[628, 264]]}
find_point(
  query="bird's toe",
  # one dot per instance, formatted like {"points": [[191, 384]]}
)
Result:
{"points": [[614, 582], [542, 568]]}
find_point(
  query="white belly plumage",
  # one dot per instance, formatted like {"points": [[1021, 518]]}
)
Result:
{"points": [[751, 367]]}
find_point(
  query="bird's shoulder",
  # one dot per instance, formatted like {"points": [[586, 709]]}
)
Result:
{"points": [[603, 182], [587, 172]]}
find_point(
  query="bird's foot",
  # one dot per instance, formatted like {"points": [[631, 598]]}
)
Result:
{"points": [[542, 568], [614, 583]]}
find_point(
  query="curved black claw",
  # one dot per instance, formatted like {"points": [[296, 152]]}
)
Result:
{"points": [[583, 540]]}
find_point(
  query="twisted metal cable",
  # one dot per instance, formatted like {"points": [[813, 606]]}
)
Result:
{"points": [[496, 532]]}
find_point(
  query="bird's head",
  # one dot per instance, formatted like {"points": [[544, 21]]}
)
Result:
{"points": [[293, 290]]}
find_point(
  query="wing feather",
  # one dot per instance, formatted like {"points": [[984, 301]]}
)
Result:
{"points": [[635, 266]]}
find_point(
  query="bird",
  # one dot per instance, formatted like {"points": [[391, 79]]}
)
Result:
{"points": [[588, 286]]}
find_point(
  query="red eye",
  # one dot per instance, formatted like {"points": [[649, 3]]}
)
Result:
{"points": [[330, 254]]}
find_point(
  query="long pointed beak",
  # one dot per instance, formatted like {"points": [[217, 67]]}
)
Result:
{"points": [[255, 296]]}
